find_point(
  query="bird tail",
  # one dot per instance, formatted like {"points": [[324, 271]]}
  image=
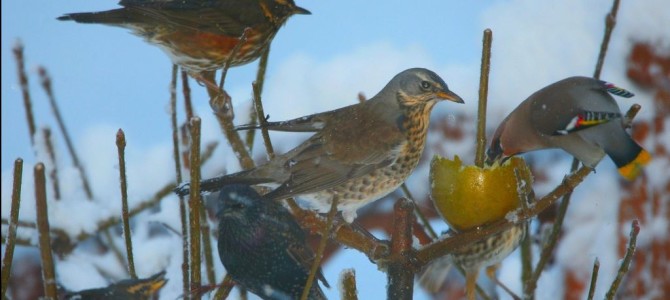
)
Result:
{"points": [[630, 168], [115, 16], [619, 91], [435, 274], [216, 183]]}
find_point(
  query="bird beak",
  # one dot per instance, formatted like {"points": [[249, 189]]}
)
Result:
{"points": [[301, 11], [449, 95]]}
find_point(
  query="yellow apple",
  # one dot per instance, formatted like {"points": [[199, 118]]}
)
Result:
{"points": [[469, 196]]}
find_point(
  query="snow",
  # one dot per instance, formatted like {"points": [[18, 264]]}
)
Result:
{"points": [[534, 44]]}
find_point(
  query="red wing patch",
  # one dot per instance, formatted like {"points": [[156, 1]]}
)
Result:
{"points": [[587, 119]]}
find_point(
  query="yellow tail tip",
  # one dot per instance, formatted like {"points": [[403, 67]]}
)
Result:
{"points": [[634, 168]]}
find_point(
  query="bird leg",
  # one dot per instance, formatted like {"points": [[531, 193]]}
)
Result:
{"points": [[491, 273], [220, 101], [470, 283]]}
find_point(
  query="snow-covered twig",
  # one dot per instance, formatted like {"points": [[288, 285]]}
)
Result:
{"points": [[13, 224], [48, 272]]}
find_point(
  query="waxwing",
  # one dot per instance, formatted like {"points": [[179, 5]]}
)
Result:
{"points": [[578, 115]]}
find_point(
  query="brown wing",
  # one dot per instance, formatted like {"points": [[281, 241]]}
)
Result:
{"points": [[202, 20], [353, 143]]}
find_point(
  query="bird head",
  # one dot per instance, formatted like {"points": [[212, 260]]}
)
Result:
{"points": [[280, 10], [419, 86], [496, 152], [238, 202]]}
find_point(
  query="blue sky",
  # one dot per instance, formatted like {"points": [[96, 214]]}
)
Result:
{"points": [[105, 78], [104, 74]]}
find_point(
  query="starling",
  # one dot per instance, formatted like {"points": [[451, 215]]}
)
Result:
{"points": [[262, 247]]}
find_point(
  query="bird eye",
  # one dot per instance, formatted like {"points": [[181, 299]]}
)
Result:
{"points": [[425, 84]]}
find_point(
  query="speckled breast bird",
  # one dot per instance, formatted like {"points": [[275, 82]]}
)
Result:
{"points": [[358, 153], [129, 289], [485, 253], [262, 247], [200, 35], [578, 115]]}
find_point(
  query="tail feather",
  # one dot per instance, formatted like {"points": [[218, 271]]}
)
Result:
{"points": [[613, 89], [435, 274], [216, 183], [632, 169], [115, 16]]}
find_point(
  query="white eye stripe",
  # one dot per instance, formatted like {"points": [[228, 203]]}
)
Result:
{"points": [[237, 198]]}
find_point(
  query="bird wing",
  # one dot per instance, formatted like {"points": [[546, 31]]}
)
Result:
{"points": [[586, 119], [210, 16], [304, 124], [311, 123], [553, 116], [314, 169], [340, 152], [198, 19]]}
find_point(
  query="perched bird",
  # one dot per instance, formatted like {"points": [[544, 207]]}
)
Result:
{"points": [[358, 153], [200, 35], [262, 247], [578, 115], [488, 252], [129, 289]]}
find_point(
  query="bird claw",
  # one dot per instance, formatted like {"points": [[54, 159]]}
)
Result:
{"points": [[222, 105]]}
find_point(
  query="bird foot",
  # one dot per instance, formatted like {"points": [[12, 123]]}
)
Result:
{"points": [[221, 104]]}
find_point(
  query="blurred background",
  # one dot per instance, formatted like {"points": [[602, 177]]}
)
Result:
{"points": [[105, 78]]}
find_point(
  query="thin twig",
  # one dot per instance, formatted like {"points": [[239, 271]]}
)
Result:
{"points": [[48, 273], [177, 165], [207, 246], [264, 123], [594, 278], [186, 89], [348, 283], [625, 264], [610, 22], [226, 286], [526, 246], [46, 84], [226, 122], [483, 94], [25, 91], [121, 146], [630, 115], [400, 273], [194, 205], [374, 248], [240, 41], [504, 287], [109, 243], [552, 241], [53, 174], [424, 221], [260, 81], [13, 224], [325, 236]]}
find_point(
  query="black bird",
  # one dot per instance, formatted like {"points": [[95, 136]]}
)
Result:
{"points": [[262, 246]]}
